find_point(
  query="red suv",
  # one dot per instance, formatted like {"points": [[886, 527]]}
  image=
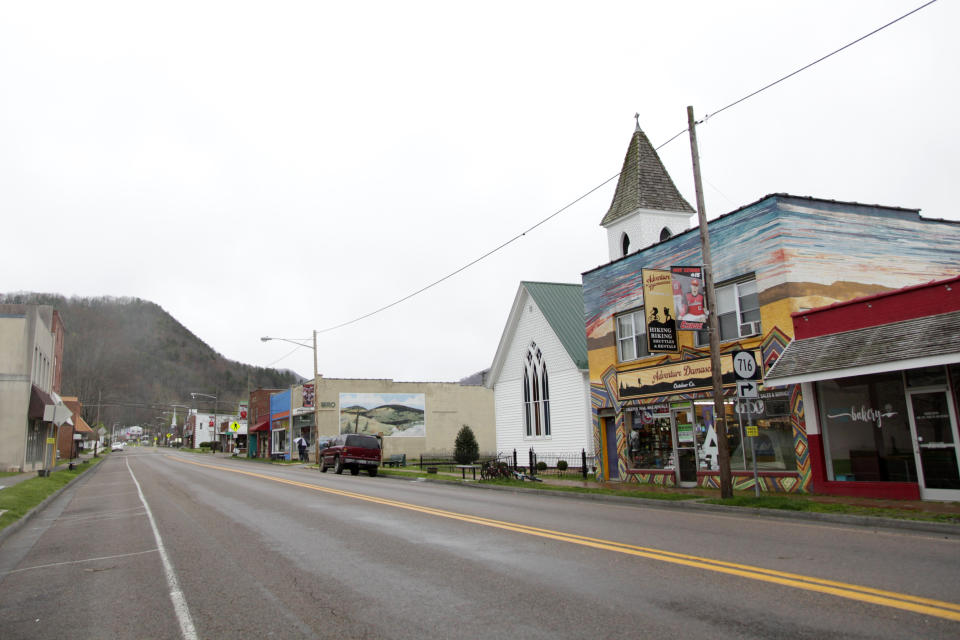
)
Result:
{"points": [[352, 451]]}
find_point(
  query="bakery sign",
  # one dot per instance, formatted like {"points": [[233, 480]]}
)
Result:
{"points": [[674, 378]]}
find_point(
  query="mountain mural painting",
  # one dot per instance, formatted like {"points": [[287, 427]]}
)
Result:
{"points": [[392, 414]]}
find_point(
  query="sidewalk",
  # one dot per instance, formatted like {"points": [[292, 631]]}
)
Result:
{"points": [[9, 481]]}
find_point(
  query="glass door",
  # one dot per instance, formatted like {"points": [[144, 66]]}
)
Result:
{"points": [[683, 419], [935, 424]]}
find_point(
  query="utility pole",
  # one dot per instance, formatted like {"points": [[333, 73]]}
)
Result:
{"points": [[713, 328]]}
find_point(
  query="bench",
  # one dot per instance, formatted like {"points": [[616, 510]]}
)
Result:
{"points": [[396, 460], [463, 470]]}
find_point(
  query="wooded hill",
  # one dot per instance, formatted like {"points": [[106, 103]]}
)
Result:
{"points": [[138, 361]]}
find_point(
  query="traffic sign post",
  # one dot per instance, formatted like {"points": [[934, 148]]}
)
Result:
{"points": [[752, 432]]}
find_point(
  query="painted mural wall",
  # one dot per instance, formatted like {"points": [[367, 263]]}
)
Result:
{"points": [[803, 253], [394, 415]]}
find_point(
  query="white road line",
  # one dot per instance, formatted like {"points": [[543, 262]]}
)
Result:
{"points": [[176, 595], [60, 564]]}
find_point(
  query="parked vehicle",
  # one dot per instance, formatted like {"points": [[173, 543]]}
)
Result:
{"points": [[116, 446], [351, 451]]}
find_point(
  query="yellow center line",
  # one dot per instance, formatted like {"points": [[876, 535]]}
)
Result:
{"points": [[907, 602]]}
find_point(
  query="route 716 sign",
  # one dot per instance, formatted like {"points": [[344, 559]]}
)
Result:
{"points": [[745, 365]]}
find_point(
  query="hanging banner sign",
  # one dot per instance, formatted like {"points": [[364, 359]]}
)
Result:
{"points": [[674, 378], [659, 311], [308, 395], [690, 298]]}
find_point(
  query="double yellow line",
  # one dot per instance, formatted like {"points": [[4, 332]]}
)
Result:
{"points": [[916, 604]]}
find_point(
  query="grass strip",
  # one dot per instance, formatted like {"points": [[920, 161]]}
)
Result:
{"points": [[17, 500], [802, 503]]}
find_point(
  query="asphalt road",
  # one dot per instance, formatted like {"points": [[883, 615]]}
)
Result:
{"points": [[158, 544]]}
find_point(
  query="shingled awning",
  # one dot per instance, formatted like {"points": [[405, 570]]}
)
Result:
{"points": [[908, 344]]}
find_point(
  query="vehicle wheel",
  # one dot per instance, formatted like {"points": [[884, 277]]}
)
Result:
{"points": [[337, 465], [323, 467], [372, 471], [354, 471]]}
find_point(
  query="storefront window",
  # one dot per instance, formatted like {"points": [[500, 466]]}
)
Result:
{"points": [[866, 430], [649, 440], [707, 445]]}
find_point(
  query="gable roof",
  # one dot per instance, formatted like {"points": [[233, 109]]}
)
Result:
{"points": [[644, 183], [562, 306]]}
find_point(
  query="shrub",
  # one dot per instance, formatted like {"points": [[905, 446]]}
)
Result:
{"points": [[541, 466], [465, 447], [561, 465]]}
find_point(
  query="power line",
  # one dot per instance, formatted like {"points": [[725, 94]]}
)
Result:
{"points": [[605, 182]]}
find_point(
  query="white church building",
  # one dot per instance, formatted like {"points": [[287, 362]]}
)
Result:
{"points": [[540, 373]]}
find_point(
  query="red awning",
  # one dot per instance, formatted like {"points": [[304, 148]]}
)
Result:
{"points": [[263, 425], [38, 400]]}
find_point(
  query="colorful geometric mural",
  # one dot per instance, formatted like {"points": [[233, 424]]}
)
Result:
{"points": [[801, 253]]}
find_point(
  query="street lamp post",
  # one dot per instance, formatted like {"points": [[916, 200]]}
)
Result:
{"points": [[316, 405], [214, 398]]}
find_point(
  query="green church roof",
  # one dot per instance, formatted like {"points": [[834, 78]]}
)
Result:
{"points": [[562, 306]]}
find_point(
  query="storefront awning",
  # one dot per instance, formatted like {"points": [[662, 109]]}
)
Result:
{"points": [[38, 400], [909, 344], [81, 426], [263, 425]]}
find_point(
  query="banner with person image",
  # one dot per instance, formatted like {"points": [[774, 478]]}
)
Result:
{"points": [[658, 307], [689, 298]]}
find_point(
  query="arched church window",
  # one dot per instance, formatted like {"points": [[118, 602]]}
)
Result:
{"points": [[665, 233], [625, 244], [536, 394]]}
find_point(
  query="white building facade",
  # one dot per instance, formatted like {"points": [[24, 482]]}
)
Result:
{"points": [[540, 379]]}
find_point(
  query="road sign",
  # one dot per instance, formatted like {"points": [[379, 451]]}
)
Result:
{"points": [[747, 389], [745, 365], [749, 406], [752, 431], [234, 426]]}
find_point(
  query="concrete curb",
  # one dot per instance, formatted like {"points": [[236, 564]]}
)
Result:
{"points": [[9, 530], [872, 522]]}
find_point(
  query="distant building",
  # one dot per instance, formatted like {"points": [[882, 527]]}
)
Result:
{"points": [[31, 353], [413, 418]]}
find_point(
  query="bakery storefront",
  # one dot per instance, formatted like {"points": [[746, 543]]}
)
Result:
{"points": [[881, 376], [667, 415]]}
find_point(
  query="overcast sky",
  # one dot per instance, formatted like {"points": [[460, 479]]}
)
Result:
{"points": [[274, 168]]}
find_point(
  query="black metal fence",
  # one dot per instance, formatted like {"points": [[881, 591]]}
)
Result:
{"points": [[569, 464]]}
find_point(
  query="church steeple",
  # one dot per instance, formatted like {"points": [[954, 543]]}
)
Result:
{"points": [[646, 206]]}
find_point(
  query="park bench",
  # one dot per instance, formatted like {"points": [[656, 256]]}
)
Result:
{"points": [[396, 460]]}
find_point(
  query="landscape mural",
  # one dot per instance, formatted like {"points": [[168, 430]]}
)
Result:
{"points": [[392, 414]]}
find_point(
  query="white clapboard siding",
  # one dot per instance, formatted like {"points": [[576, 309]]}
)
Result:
{"points": [[570, 414]]}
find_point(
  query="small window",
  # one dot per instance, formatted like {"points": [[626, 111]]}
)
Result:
{"points": [[738, 312], [665, 233], [625, 244], [631, 336]]}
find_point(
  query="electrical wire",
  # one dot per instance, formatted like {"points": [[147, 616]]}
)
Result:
{"points": [[605, 182]]}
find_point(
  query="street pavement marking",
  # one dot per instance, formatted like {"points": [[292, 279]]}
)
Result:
{"points": [[907, 602], [180, 608], [60, 564]]}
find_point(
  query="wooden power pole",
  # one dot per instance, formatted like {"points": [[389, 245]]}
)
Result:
{"points": [[713, 327]]}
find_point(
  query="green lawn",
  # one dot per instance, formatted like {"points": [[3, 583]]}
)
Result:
{"points": [[17, 500]]}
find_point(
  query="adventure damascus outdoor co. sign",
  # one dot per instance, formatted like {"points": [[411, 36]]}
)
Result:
{"points": [[674, 378]]}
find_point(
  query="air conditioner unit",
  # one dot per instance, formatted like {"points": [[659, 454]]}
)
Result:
{"points": [[750, 328]]}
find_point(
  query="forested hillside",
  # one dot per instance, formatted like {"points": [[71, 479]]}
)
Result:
{"points": [[139, 361]]}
